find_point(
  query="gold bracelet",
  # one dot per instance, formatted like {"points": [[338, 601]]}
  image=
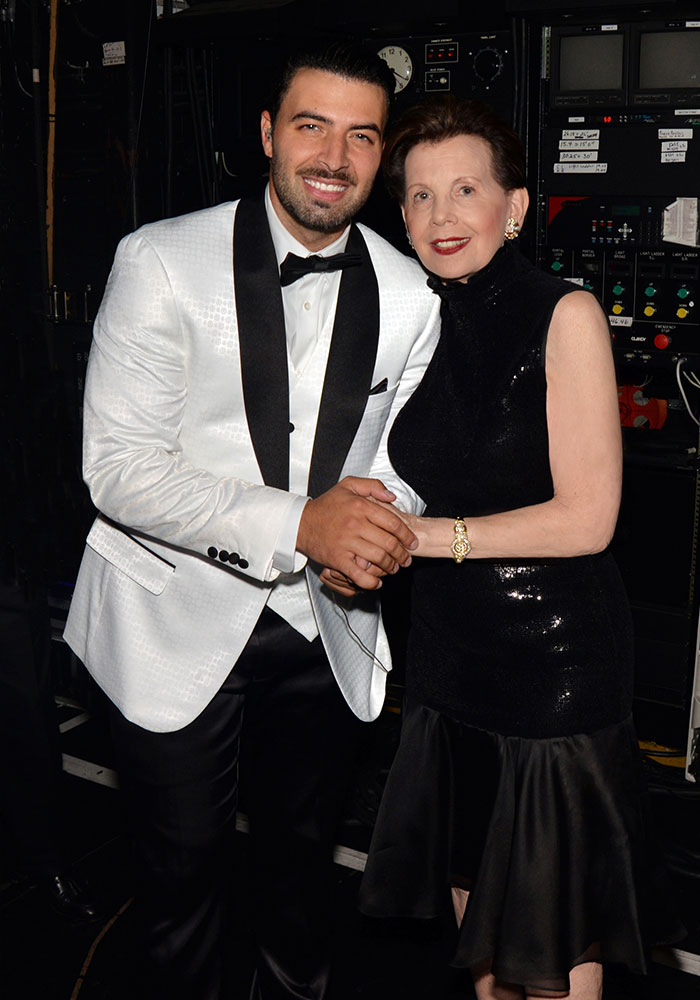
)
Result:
{"points": [[461, 546]]}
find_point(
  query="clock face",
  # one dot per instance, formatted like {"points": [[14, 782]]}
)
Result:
{"points": [[400, 63]]}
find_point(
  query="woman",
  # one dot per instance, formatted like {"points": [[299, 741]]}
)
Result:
{"points": [[517, 779]]}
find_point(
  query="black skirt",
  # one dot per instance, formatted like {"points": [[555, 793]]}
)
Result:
{"points": [[551, 837]]}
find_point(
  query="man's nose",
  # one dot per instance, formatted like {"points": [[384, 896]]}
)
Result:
{"points": [[334, 153]]}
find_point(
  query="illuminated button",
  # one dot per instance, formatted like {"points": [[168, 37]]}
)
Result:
{"points": [[617, 309], [661, 341], [649, 310], [618, 289], [588, 287], [557, 265], [650, 291], [681, 313], [683, 293]]}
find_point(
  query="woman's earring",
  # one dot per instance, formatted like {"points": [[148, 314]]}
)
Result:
{"points": [[410, 241], [512, 229]]}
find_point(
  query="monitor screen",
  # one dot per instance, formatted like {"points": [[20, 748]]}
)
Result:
{"points": [[669, 59], [591, 62]]}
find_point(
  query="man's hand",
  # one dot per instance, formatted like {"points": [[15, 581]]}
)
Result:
{"points": [[344, 530]]}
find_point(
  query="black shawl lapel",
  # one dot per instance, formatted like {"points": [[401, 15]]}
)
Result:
{"points": [[351, 362], [262, 341]]}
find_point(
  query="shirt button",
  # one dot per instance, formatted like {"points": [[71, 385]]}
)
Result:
{"points": [[291, 428], [243, 563], [223, 555], [307, 306], [212, 552]]}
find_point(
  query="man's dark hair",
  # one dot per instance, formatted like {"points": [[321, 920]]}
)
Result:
{"points": [[347, 59]]}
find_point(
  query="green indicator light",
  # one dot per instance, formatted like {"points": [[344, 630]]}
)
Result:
{"points": [[557, 265], [683, 293], [617, 289], [650, 291]]}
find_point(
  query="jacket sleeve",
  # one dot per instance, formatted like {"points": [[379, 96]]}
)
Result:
{"points": [[136, 398], [417, 362]]}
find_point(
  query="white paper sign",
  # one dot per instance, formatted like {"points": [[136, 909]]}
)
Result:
{"points": [[113, 53]]}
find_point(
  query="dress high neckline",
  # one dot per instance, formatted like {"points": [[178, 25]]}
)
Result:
{"points": [[485, 284]]}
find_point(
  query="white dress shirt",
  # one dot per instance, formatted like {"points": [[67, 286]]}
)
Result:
{"points": [[309, 311]]}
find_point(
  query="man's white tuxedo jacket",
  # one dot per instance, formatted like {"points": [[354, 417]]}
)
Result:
{"points": [[186, 455]]}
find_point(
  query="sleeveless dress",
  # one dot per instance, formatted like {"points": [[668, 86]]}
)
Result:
{"points": [[518, 773]]}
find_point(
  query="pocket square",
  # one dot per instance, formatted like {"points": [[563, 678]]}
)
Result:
{"points": [[379, 387]]}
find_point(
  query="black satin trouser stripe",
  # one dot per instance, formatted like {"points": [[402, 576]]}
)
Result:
{"points": [[281, 706]]}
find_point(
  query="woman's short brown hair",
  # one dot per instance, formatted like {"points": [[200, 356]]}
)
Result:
{"points": [[444, 117]]}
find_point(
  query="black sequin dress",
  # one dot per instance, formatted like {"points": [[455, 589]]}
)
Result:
{"points": [[517, 776]]}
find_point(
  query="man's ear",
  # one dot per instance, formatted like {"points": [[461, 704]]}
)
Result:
{"points": [[266, 132]]}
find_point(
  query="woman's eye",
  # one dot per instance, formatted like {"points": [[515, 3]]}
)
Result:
{"points": [[465, 190]]}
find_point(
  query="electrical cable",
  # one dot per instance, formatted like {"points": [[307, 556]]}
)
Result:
{"points": [[682, 390], [132, 177]]}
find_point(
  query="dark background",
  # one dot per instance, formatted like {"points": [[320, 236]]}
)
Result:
{"points": [[174, 128]]}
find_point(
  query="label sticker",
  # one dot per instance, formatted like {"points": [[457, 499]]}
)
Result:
{"points": [[673, 157], [674, 144], [591, 133], [620, 320], [579, 144], [580, 168], [675, 133], [579, 155]]}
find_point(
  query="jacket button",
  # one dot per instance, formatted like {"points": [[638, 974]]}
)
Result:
{"points": [[212, 552], [234, 558], [223, 555], [243, 563]]}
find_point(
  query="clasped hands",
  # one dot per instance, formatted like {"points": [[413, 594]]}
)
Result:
{"points": [[354, 532]]}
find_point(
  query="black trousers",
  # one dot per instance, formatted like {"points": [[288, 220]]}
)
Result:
{"points": [[280, 722]]}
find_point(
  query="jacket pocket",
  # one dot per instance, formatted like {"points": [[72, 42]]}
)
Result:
{"points": [[130, 556]]}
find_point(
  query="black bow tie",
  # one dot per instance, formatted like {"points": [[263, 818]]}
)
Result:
{"points": [[293, 267]]}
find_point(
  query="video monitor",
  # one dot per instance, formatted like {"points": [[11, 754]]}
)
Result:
{"points": [[588, 67], [666, 66]]}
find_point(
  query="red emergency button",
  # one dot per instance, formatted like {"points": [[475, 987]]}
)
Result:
{"points": [[661, 341]]}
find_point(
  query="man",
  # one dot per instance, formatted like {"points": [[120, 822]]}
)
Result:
{"points": [[217, 403]]}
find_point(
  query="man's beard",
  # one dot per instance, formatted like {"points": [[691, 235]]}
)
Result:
{"points": [[321, 217]]}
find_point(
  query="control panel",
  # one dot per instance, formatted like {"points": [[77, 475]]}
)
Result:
{"points": [[478, 65], [620, 249]]}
